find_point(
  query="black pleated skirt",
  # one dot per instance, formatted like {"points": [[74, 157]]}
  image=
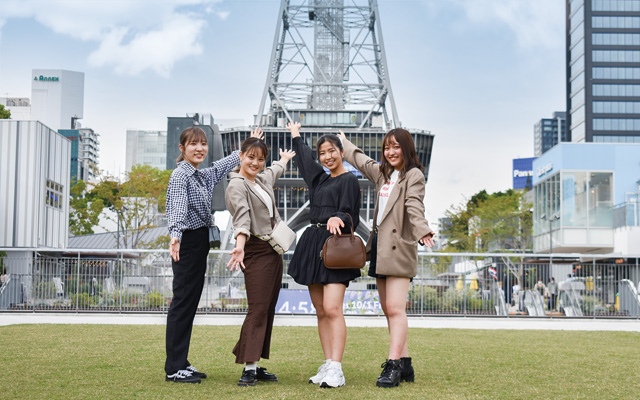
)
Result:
{"points": [[306, 266]]}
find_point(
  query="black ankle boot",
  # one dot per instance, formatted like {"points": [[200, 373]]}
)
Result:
{"points": [[391, 372], [407, 374]]}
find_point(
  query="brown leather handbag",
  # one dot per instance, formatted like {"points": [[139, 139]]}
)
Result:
{"points": [[344, 251]]}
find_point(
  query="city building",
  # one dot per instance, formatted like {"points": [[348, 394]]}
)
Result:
{"points": [[523, 173], [548, 132], [603, 70], [20, 107], [57, 97], [146, 148], [34, 187], [586, 195], [85, 148]]}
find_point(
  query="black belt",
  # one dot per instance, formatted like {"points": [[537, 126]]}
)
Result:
{"points": [[319, 225]]}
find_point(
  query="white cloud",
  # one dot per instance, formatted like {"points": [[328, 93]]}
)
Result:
{"points": [[535, 23], [132, 36]]}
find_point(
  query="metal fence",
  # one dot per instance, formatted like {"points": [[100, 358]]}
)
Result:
{"points": [[488, 284]]}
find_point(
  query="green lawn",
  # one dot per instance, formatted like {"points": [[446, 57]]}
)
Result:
{"points": [[113, 362]]}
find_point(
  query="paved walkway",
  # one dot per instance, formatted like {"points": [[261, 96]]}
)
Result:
{"points": [[574, 324]]}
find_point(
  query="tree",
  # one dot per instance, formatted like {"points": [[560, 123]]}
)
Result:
{"points": [[137, 202], [490, 222], [84, 209], [498, 222], [4, 113]]}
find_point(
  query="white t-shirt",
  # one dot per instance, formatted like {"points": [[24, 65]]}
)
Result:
{"points": [[385, 191], [266, 198]]}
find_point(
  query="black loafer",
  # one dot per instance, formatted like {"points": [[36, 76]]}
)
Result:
{"points": [[263, 375], [248, 378]]}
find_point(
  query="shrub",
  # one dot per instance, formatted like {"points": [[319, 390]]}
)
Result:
{"points": [[154, 300]]}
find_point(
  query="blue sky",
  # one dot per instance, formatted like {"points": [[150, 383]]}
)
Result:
{"points": [[477, 73]]}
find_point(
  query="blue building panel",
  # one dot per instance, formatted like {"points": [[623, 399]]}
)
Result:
{"points": [[523, 173]]}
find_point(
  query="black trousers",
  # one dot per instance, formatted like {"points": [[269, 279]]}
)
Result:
{"points": [[188, 281]]}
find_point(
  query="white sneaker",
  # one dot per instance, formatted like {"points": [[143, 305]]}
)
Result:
{"points": [[317, 378], [333, 378]]}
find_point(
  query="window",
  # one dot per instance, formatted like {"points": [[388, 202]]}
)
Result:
{"points": [[616, 139], [616, 73], [615, 5], [53, 197], [600, 199], [615, 22], [616, 56], [616, 107], [618, 39], [616, 90], [574, 199], [616, 124]]}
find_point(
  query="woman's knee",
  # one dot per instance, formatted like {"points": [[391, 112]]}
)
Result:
{"points": [[333, 311], [395, 310]]}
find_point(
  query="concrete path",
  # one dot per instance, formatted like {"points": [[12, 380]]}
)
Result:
{"points": [[574, 324]]}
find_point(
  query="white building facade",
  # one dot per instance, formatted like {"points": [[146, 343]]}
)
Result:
{"points": [[34, 186], [57, 96]]}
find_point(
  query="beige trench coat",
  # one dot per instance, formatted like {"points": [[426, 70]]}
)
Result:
{"points": [[249, 212], [403, 222]]}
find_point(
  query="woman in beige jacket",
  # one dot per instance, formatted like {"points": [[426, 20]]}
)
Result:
{"points": [[399, 224], [253, 209]]}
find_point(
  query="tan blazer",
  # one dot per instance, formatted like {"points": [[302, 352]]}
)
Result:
{"points": [[249, 212], [403, 222]]}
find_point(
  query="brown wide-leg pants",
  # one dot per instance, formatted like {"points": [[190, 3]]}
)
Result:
{"points": [[263, 278]]}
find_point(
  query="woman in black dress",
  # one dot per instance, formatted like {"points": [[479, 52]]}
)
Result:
{"points": [[332, 196]]}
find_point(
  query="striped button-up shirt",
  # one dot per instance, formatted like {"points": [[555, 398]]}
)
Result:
{"points": [[189, 194]]}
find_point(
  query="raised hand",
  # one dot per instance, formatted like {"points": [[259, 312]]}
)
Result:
{"points": [[257, 133], [287, 154], [342, 136], [294, 127]]}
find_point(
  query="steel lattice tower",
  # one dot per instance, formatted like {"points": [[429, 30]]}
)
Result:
{"points": [[328, 71], [345, 69]]}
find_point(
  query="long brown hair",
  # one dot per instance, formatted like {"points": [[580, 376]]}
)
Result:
{"points": [[409, 155], [188, 135]]}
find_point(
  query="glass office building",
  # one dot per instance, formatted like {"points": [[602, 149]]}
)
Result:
{"points": [[603, 71], [548, 132], [146, 148], [586, 195]]}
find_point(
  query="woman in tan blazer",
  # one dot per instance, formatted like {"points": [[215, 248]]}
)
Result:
{"points": [[251, 202], [399, 224]]}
